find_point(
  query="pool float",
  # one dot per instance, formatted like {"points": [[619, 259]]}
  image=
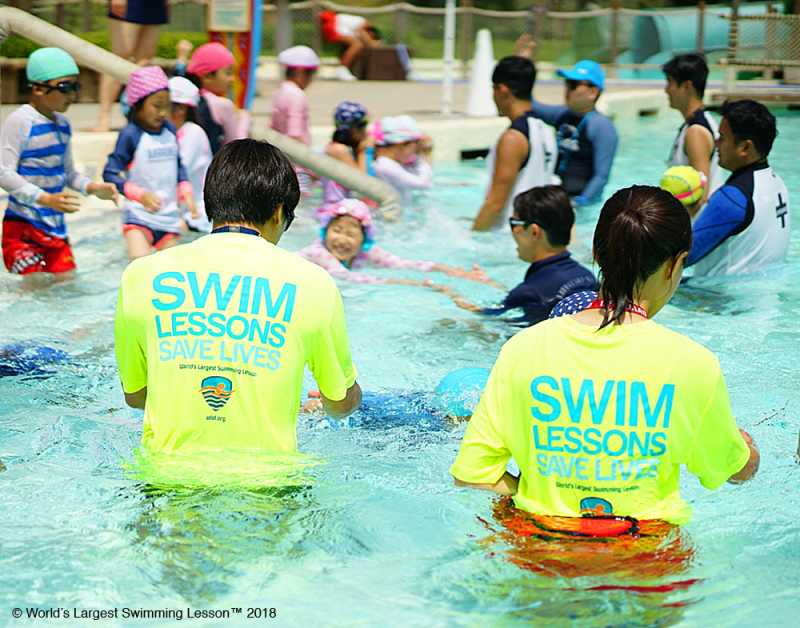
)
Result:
{"points": [[594, 545]]}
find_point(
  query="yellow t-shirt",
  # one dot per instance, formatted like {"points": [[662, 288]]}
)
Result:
{"points": [[600, 421], [219, 331]]}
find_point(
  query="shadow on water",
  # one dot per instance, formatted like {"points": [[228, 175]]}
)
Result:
{"points": [[198, 541]]}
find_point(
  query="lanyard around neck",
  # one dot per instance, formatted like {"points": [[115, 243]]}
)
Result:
{"points": [[236, 229]]}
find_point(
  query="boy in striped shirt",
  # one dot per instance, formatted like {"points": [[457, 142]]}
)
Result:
{"points": [[36, 166]]}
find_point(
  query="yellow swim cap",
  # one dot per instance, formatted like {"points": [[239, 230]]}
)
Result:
{"points": [[684, 183]]}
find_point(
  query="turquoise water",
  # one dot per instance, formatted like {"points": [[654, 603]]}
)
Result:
{"points": [[381, 536]]}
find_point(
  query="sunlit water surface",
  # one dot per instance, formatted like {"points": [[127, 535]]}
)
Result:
{"points": [[380, 537]]}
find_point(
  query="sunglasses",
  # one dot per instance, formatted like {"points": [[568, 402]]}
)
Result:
{"points": [[573, 85], [65, 87], [518, 222]]}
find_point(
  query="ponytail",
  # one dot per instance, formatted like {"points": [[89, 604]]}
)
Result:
{"points": [[639, 228]]}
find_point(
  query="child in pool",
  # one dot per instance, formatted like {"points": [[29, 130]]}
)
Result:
{"points": [[193, 145], [348, 242], [350, 144], [36, 169], [453, 400], [211, 69], [402, 155], [146, 167]]}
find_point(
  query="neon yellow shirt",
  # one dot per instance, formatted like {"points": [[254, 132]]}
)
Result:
{"points": [[600, 421], [219, 331]]}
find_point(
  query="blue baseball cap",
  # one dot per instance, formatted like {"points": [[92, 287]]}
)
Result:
{"points": [[585, 70]]}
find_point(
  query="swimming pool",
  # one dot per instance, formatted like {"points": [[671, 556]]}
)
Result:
{"points": [[381, 537]]}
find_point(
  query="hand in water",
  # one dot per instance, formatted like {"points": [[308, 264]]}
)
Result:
{"points": [[151, 201], [314, 403]]}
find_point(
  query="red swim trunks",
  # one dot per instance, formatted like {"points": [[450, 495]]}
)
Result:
{"points": [[157, 239], [27, 250]]}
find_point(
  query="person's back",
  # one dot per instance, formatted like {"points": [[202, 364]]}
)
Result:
{"points": [[613, 404], [212, 337], [745, 226], [593, 418], [255, 321]]}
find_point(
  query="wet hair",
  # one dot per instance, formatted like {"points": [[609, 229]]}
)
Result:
{"points": [[639, 229], [247, 181], [688, 67], [750, 120], [516, 73], [549, 207]]}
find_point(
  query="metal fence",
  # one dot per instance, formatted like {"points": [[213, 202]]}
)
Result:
{"points": [[618, 37]]}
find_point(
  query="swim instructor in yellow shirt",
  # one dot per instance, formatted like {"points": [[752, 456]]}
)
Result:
{"points": [[600, 409], [212, 337]]}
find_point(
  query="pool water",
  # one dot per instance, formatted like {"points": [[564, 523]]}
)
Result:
{"points": [[380, 536]]}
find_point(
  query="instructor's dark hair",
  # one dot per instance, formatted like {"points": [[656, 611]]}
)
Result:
{"points": [[639, 228], [688, 67], [516, 73], [247, 181], [750, 120], [549, 207]]}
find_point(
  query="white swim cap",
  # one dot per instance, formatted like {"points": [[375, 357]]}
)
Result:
{"points": [[299, 57], [183, 92]]}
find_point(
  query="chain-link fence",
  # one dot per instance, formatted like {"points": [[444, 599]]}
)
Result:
{"points": [[630, 42]]}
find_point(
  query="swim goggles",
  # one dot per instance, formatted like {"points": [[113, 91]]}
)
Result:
{"points": [[65, 87]]}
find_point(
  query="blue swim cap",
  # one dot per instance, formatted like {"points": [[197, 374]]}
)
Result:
{"points": [[349, 114], [46, 64], [459, 391]]}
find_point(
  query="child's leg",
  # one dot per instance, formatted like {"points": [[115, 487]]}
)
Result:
{"points": [[138, 243], [168, 241]]}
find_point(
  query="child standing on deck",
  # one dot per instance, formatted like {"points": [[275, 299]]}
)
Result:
{"points": [[146, 167], [211, 69], [290, 104], [193, 146], [36, 165]]}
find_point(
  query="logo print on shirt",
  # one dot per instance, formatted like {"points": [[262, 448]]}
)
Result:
{"points": [[781, 210], [596, 507], [216, 391]]}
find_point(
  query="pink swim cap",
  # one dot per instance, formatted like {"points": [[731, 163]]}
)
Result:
{"points": [[348, 207], [209, 58], [145, 81]]}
